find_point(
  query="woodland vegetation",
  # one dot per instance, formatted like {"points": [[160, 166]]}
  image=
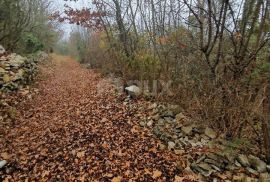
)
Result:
{"points": [[216, 53], [24, 26], [203, 67]]}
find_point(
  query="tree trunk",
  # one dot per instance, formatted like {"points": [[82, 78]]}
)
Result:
{"points": [[121, 27], [266, 122]]}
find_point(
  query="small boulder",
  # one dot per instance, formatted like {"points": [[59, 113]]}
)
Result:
{"points": [[180, 117], [2, 71], [2, 49], [150, 123], [243, 160], [268, 168], [257, 164], [156, 117], [168, 113], [171, 145], [203, 168], [252, 171], [142, 123], [161, 146], [153, 106], [133, 91], [210, 133], [176, 109], [3, 163], [187, 129]]}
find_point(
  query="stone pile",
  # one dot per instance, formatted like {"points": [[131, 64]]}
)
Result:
{"points": [[182, 135], [175, 129], [16, 71]]}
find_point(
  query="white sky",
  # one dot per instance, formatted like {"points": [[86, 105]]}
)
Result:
{"points": [[58, 5]]}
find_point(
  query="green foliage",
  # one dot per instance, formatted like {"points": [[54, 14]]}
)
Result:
{"points": [[31, 43], [24, 26]]}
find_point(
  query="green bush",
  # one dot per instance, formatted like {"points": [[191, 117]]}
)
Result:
{"points": [[31, 43]]}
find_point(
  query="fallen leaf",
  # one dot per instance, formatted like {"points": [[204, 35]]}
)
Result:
{"points": [[80, 154], [45, 173], [5, 156], [178, 179], [147, 171], [117, 179], [156, 174], [108, 175]]}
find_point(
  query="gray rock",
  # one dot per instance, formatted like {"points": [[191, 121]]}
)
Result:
{"points": [[201, 159], [268, 168], [198, 129], [204, 141], [217, 157], [237, 164], [252, 171], [176, 109], [180, 117], [153, 106], [194, 144], [171, 145], [210, 133], [157, 131], [206, 138], [142, 123], [162, 146], [16, 61], [2, 49], [230, 157], [215, 163], [187, 170], [168, 119], [150, 123], [133, 91], [187, 130], [231, 167], [203, 169], [156, 117], [156, 111], [2, 71], [216, 168], [161, 122], [161, 108], [168, 113], [205, 166], [257, 164], [3, 163], [243, 160]]}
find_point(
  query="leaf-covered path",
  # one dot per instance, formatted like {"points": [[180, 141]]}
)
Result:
{"points": [[69, 132]]}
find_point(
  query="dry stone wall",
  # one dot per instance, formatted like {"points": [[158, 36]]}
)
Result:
{"points": [[17, 71]]}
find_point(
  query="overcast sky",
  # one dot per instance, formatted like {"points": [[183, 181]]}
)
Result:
{"points": [[59, 6]]}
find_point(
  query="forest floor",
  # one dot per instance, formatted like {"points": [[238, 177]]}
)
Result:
{"points": [[68, 131]]}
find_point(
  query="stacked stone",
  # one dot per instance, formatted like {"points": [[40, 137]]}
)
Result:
{"points": [[182, 135], [17, 71]]}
